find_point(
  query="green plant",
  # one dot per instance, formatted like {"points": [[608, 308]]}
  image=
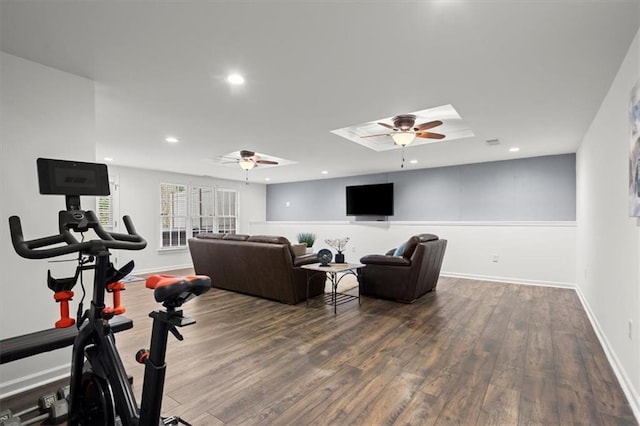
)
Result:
{"points": [[307, 237]]}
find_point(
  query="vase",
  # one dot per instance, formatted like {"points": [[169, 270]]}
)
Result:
{"points": [[339, 258]]}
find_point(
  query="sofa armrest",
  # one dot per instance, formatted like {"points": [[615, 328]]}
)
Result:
{"points": [[381, 259], [305, 259]]}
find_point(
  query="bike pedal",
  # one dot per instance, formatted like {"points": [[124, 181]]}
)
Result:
{"points": [[174, 420]]}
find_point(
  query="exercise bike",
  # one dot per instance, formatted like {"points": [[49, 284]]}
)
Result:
{"points": [[100, 391]]}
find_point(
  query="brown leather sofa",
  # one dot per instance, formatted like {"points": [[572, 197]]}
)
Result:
{"points": [[404, 278], [259, 265]]}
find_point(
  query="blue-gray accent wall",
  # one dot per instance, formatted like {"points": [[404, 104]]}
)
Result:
{"points": [[528, 189]]}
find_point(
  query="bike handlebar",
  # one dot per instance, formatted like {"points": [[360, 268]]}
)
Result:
{"points": [[32, 249]]}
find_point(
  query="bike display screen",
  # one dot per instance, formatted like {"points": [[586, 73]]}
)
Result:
{"points": [[62, 177]]}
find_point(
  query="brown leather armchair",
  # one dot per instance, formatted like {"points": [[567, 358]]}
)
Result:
{"points": [[404, 278]]}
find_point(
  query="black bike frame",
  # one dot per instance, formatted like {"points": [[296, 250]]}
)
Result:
{"points": [[105, 362], [95, 341]]}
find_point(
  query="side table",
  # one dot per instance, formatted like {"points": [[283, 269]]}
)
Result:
{"points": [[335, 272]]}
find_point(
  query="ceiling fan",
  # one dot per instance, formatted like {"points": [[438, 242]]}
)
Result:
{"points": [[249, 159], [404, 130]]}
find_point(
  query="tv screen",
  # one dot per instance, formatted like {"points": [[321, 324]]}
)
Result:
{"points": [[370, 200]]}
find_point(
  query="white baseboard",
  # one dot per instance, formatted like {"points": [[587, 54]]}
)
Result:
{"points": [[161, 269], [32, 381], [619, 371], [509, 280]]}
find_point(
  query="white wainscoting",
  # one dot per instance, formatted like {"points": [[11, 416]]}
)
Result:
{"points": [[540, 253]]}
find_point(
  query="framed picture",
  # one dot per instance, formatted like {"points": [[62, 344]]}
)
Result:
{"points": [[634, 151]]}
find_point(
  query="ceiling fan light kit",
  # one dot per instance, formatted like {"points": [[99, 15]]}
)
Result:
{"points": [[403, 138], [246, 164]]}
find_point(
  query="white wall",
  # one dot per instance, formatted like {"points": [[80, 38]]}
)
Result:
{"points": [[45, 113], [608, 253], [528, 252], [139, 197], [49, 113]]}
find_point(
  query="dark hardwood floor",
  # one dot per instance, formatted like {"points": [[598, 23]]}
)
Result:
{"points": [[470, 353]]}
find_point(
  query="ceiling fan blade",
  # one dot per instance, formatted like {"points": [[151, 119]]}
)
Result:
{"points": [[429, 135], [388, 126], [429, 125], [373, 136], [266, 162], [246, 153]]}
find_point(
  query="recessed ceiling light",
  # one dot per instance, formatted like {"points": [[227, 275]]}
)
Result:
{"points": [[171, 139], [108, 159], [267, 178], [324, 172], [235, 79], [514, 149], [414, 161]]}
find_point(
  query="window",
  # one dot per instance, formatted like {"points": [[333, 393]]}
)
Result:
{"points": [[173, 215], [209, 210], [226, 210], [106, 207], [201, 210], [104, 211]]}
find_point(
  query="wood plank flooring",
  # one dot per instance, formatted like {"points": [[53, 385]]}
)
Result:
{"points": [[471, 352]]}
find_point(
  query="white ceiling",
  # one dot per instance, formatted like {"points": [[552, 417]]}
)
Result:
{"points": [[530, 73]]}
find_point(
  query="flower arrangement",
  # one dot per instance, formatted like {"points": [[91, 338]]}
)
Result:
{"points": [[337, 243]]}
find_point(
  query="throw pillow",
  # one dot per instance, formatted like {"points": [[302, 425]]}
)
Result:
{"points": [[400, 250], [299, 249]]}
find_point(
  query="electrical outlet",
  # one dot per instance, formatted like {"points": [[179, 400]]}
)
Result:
{"points": [[496, 258], [630, 330]]}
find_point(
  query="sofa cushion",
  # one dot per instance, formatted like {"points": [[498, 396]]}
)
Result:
{"points": [[380, 259], [209, 236], [305, 259], [270, 239], [427, 237], [299, 249], [235, 237], [412, 243]]}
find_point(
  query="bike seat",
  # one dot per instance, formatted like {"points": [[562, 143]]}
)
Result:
{"points": [[173, 291]]}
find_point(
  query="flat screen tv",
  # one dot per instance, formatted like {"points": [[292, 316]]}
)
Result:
{"points": [[370, 200]]}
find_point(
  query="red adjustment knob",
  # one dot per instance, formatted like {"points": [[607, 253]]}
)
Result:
{"points": [[63, 298], [116, 288], [107, 313], [142, 355]]}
